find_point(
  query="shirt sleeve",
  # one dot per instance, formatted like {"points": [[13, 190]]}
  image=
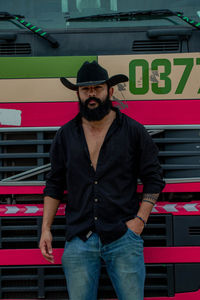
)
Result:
{"points": [[150, 171], [56, 178]]}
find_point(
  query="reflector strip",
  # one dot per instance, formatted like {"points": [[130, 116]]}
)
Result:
{"points": [[22, 210], [182, 208]]}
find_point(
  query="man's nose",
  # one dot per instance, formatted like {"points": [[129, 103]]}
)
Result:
{"points": [[92, 91]]}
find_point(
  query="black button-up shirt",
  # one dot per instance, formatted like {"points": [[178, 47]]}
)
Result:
{"points": [[102, 200]]}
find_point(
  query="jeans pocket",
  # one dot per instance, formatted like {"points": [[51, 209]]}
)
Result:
{"points": [[135, 235]]}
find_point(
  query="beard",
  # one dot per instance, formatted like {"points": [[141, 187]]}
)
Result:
{"points": [[98, 113]]}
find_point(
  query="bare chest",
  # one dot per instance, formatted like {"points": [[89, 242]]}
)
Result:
{"points": [[94, 142]]}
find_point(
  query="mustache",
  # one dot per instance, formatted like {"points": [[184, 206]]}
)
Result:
{"points": [[93, 99]]}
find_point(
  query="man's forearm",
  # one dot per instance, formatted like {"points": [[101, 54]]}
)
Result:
{"points": [[50, 209], [137, 224], [148, 201]]}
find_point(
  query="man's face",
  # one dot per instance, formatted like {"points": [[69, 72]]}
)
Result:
{"points": [[94, 101]]}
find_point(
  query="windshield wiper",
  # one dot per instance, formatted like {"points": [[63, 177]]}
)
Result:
{"points": [[124, 16], [4, 16]]}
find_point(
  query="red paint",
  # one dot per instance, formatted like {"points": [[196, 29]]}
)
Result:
{"points": [[26, 257], [178, 187], [44, 114], [182, 187], [165, 112], [152, 255], [38, 189], [154, 112], [179, 296], [172, 254], [22, 190]]}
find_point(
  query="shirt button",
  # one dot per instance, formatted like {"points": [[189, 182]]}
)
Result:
{"points": [[96, 182], [96, 200], [95, 218]]}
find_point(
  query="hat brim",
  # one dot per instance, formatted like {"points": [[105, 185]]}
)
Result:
{"points": [[114, 80]]}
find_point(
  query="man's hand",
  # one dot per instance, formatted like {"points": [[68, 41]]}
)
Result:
{"points": [[46, 246], [135, 225]]}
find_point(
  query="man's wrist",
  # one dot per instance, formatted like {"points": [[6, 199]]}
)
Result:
{"points": [[46, 228], [141, 219]]}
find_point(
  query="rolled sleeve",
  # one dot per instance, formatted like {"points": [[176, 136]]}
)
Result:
{"points": [[150, 171], [56, 178]]}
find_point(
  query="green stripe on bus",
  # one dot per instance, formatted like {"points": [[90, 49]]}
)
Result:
{"points": [[41, 67]]}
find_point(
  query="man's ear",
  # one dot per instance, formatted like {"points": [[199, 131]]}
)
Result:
{"points": [[111, 91]]}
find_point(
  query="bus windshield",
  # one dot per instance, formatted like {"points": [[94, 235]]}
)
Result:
{"points": [[53, 14]]}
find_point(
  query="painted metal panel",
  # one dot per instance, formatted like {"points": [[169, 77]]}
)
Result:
{"points": [[180, 112], [152, 255], [180, 208]]}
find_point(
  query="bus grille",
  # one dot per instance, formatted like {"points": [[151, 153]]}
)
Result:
{"points": [[156, 46], [23, 150], [15, 49], [24, 232], [31, 282]]}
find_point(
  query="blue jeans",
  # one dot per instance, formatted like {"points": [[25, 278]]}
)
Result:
{"points": [[124, 261]]}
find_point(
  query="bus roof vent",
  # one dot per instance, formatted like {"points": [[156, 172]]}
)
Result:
{"points": [[15, 49], [156, 46]]}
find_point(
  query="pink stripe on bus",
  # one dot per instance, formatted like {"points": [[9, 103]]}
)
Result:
{"points": [[190, 254], [30, 190], [152, 255], [180, 296], [152, 112], [178, 187], [170, 187]]}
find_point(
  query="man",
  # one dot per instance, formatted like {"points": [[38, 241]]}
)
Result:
{"points": [[98, 157]]}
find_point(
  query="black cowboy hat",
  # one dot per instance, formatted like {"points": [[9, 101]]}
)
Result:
{"points": [[93, 74]]}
